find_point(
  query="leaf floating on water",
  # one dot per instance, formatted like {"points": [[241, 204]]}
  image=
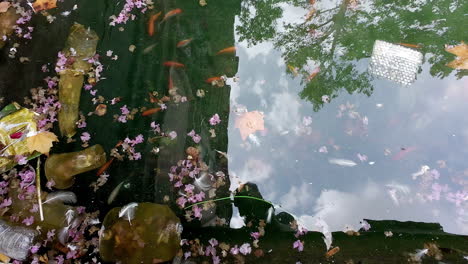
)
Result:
{"points": [[461, 51], [342, 162], [249, 123], [41, 5], [61, 196], [41, 142], [4, 6], [202, 2]]}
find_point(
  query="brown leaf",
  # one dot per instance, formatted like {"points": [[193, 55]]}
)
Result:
{"points": [[461, 51], [4, 6], [40, 5], [41, 142], [249, 123]]}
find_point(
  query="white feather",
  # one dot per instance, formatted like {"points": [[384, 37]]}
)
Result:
{"points": [[61, 196], [128, 211]]}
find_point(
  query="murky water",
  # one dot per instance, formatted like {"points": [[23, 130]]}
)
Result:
{"points": [[303, 116]]}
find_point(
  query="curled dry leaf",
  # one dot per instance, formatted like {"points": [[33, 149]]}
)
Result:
{"points": [[41, 5], [41, 142], [4, 6], [249, 123], [461, 51]]}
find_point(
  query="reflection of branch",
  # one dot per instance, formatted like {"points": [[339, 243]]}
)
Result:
{"points": [[324, 11], [326, 22]]}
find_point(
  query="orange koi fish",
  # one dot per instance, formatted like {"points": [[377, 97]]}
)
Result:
{"points": [[227, 50], [172, 13], [151, 21], [313, 73], [293, 70], [416, 46], [104, 167], [332, 252], [183, 43], [173, 64], [151, 111], [212, 79]]}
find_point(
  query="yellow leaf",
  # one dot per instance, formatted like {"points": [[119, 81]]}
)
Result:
{"points": [[40, 5], [41, 142], [461, 51], [4, 6]]}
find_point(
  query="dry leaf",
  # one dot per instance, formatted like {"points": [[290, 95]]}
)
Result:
{"points": [[249, 123], [41, 142], [461, 51], [40, 5], [4, 6]]}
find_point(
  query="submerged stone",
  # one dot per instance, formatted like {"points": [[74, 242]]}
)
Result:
{"points": [[142, 233]]}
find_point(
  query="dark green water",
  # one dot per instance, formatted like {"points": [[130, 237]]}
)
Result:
{"points": [[399, 128]]}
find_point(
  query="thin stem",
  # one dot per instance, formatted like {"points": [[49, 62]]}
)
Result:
{"points": [[227, 198], [38, 188]]}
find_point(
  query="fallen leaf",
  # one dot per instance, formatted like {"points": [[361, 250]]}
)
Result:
{"points": [[249, 123], [202, 2], [41, 142], [4, 6], [40, 5], [461, 51]]}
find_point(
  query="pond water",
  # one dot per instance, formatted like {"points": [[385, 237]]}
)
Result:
{"points": [[338, 111]]}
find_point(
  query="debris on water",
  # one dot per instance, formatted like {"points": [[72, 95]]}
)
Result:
{"points": [[323, 149], [202, 2], [416, 257], [154, 233], [40, 5], [424, 169], [365, 225], [62, 168], [461, 51], [131, 48], [332, 252], [342, 162], [388, 233], [249, 123]]}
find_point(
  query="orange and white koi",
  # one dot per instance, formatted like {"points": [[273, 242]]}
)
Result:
{"points": [[227, 50], [173, 64], [416, 46], [151, 21], [172, 13], [151, 111], [313, 74], [183, 43]]}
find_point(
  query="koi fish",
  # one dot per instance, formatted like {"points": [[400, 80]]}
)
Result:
{"points": [[151, 21], [151, 111], [172, 13], [313, 74], [173, 64], [183, 43], [342, 162], [416, 46], [212, 79], [227, 50], [104, 167], [310, 14], [293, 70], [400, 155], [332, 252]]}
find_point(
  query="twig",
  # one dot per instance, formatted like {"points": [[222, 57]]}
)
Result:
{"points": [[226, 198], [38, 188]]}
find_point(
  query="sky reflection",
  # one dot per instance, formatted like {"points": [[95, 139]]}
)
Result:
{"points": [[408, 127]]}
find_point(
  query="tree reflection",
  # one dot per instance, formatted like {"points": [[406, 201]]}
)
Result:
{"points": [[335, 35]]}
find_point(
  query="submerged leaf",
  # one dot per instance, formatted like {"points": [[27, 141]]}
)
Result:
{"points": [[40, 5], [41, 142], [249, 123], [461, 51]]}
